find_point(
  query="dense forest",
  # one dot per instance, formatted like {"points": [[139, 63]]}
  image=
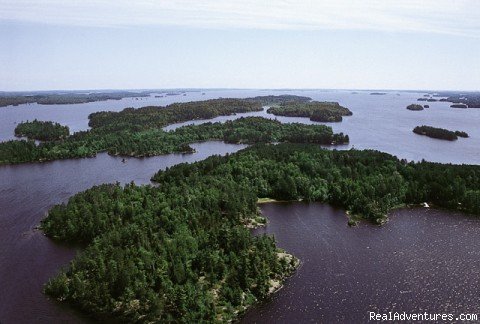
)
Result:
{"points": [[157, 117], [315, 110], [156, 141], [42, 130], [415, 107], [138, 132], [15, 99], [439, 133], [179, 251]]}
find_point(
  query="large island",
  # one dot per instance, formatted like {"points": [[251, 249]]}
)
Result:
{"points": [[181, 252]]}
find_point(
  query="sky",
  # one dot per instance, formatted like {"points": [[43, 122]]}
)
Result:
{"points": [[329, 44]]}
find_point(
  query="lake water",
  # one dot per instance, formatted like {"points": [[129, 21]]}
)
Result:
{"points": [[27, 258], [379, 122], [422, 258]]}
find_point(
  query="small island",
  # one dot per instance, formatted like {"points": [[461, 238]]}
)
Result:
{"points": [[439, 133], [426, 106], [315, 110], [42, 130], [378, 93], [458, 106], [415, 107]]}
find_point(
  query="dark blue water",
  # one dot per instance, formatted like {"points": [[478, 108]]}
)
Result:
{"points": [[421, 261], [27, 258]]}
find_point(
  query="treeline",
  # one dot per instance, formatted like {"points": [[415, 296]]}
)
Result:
{"points": [[42, 130], [281, 99], [439, 133], [178, 252], [66, 98], [155, 141], [315, 110]]}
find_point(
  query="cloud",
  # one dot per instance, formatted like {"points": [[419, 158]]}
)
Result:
{"points": [[455, 17]]}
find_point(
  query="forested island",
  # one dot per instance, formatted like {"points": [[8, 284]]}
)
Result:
{"points": [[439, 133], [63, 98], [139, 133], [180, 252], [42, 131], [469, 99], [315, 110], [458, 106], [415, 107]]}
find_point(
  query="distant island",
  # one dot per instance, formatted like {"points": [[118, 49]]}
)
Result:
{"points": [[458, 106], [415, 107], [42, 130], [458, 99], [139, 133], [378, 93], [315, 110], [439, 133], [428, 98], [64, 98]]}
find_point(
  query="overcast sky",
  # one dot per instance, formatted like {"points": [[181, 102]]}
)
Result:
{"points": [[369, 44]]}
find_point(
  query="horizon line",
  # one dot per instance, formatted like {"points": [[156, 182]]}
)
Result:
{"points": [[234, 88]]}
